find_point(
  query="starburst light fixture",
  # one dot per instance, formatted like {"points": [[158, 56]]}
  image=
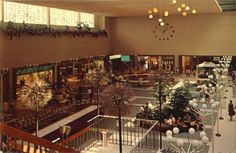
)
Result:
{"points": [[183, 8]]}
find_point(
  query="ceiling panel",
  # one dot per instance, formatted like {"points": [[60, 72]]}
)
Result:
{"points": [[125, 7]]}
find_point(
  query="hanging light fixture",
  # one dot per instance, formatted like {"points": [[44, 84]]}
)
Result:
{"points": [[166, 13], [162, 24], [187, 8], [194, 11], [150, 16], [155, 10], [179, 9], [184, 14]]}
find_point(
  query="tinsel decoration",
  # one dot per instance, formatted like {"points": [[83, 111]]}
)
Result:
{"points": [[35, 94]]}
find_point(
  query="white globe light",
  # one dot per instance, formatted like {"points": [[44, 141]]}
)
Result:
{"points": [[175, 130], [168, 133], [191, 131], [213, 88], [195, 143], [217, 103], [204, 106], [220, 62], [205, 140], [195, 100], [169, 138], [212, 101], [217, 86], [202, 100], [210, 85], [195, 105], [213, 105], [205, 88], [180, 142], [173, 91], [191, 102], [202, 134], [220, 87]]}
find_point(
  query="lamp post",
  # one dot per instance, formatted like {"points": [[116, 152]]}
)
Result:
{"points": [[65, 131], [205, 113], [73, 61], [118, 103], [55, 65], [194, 146], [218, 88]]}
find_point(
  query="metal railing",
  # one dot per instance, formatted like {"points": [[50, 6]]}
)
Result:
{"points": [[149, 141], [132, 129]]}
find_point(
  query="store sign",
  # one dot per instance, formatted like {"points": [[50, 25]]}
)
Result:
{"points": [[125, 58], [216, 58], [33, 69], [114, 56]]}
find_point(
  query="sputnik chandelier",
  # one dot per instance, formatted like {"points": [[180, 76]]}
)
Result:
{"points": [[182, 8]]}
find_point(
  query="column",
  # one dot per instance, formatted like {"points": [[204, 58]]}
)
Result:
{"points": [[176, 62]]}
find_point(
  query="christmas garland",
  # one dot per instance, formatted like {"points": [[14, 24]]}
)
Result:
{"points": [[17, 30]]}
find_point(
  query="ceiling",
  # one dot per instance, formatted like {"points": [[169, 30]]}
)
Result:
{"points": [[125, 7], [227, 5]]}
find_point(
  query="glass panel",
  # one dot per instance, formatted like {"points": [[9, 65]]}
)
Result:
{"points": [[87, 18], [17, 12], [63, 17]]}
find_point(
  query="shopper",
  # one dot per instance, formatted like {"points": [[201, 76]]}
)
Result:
{"points": [[231, 110]]}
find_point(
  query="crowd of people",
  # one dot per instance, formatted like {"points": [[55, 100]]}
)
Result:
{"points": [[183, 123]]}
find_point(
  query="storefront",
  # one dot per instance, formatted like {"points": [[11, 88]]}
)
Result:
{"points": [[25, 75], [155, 62]]}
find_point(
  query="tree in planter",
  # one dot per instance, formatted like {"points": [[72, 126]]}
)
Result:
{"points": [[98, 80], [163, 80], [35, 96], [115, 101]]}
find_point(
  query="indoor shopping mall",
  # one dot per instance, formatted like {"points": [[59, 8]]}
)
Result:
{"points": [[118, 76]]}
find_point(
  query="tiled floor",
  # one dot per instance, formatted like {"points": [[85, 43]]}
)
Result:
{"points": [[109, 148], [227, 142]]}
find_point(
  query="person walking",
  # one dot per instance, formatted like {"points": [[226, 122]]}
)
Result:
{"points": [[231, 110]]}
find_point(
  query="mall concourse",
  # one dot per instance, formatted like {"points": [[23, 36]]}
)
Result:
{"points": [[113, 76]]}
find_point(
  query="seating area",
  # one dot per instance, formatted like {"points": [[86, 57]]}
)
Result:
{"points": [[46, 116]]}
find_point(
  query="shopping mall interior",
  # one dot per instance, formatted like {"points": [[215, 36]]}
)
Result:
{"points": [[113, 76]]}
